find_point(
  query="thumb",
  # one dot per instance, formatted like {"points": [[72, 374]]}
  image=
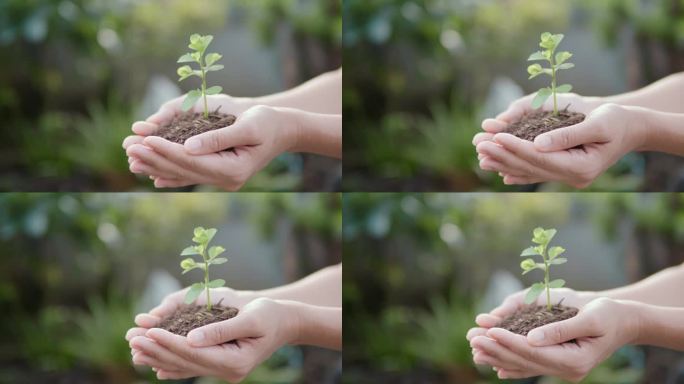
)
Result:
{"points": [[568, 137], [221, 139], [560, 332], [239, 327]]}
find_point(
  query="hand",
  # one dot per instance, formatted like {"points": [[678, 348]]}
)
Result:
{"points": [[601, 327], [259, 135], [228, 350], [574, 155]]}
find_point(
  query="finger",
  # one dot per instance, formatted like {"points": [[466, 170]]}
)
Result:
{"points": [[515, 111], [130, 140], [167, 111], [159, 165], [144, 128], [512, 374], [568, 137], [519, 345], [563, 331], [482, 136], [179, 346], [528, 152], [477, 331], [164, 374], [144, 359], [509, 305], [133, 332], [237, 135], [239, 327], [483, 358], [178, 155], [142, 168], [487, 320], [172, 183], [161, 354], [512, 162], [494, 125], [168, 305], [492, 165], [145, 320], [502, 355], [520, 180]]}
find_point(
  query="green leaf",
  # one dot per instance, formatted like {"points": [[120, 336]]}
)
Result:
{"points": [[535, 70], [216, 283], [216, 67], [215, 251], [189, 251], [196, 56], [199, 234], [187, 58], [565, 66], [531, 251], [558, 261], [194, 291], [549, 233], [526, 265], [184, 72], [534, 292], [561, 57], [200, 43], [555, 251], [210, 234], [565, 88], [219, 260], [188, 263], [211, 58], [558, 283], [214, 90], [190, 100], [540, 97], [539, 55]]}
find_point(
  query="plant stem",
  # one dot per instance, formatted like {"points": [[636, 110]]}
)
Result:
{"points": [[546, 279], [553, 85], [206, 280], [204, 88]]}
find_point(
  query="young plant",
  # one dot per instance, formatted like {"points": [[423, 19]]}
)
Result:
{"points": [[542, 237], [206, 63], [557, 61], [202, 237]]}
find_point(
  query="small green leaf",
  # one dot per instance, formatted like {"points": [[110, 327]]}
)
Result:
{"points": [[541, 97], [214, 90], [194, 291], [184, 72], [531, 251], [558, 283], [215, 251], [550, 233], [211, 58], [210, 234], [565, 88], [189, 251], [219, 260], [216, 67], [216, 283], [534, 292], [558, 261], [561, 57], [539, 55], [190, 100], [565, 66], [535, 70], [528, 264], [188, 263], [196, 56], [555, 251], [187, 58]]}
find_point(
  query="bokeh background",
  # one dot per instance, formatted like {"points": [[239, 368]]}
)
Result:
{"points": [[419, 267], [422, 74], [75, 74], [76, 268]]}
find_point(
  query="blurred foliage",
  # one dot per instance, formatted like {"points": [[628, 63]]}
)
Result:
{"points": [[417, 266], [75, 266], [58, 53]]}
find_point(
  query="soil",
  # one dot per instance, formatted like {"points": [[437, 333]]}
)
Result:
{"points": [[538, 122], [187, 318], [534, 316], [189, 124]]}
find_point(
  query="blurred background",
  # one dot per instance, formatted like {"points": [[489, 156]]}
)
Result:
{"points": [[76, 268], [75, 75], [419, 267], [422, 74]]}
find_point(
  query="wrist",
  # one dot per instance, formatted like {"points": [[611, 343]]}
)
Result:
{"points": [[292, 321], [290, 129], [634, 317], [636, 126]]}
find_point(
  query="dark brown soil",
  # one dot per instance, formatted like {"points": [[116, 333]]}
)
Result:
{"points": [[534, 316], [538, 122], [187, 318], [189, 124]]}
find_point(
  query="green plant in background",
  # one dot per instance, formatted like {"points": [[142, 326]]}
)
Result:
{"points": [[557, 61], [206, 63], [542, 237], [209, 256]]}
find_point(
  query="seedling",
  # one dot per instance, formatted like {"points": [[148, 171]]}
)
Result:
{"points": [[557, 61], [206, 63], [542, 237], [202, 237]]}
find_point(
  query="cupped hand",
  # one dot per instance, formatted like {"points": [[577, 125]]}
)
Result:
{"points": [[226, 157], [568, 349], [574, 155], [228, 350]]}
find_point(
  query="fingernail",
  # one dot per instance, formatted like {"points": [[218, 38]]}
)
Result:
{"points": [[543, 141], [196, 336], [535, 337], [193, 144]]}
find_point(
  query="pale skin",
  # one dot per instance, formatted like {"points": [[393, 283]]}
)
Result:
{"points": [[649, 119], [649, 312], [308, 311], [307, 119]]}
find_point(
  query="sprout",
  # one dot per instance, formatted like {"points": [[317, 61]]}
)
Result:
{"points": [[557, 61], [542, 237], [206, 63], [202, 237]]}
